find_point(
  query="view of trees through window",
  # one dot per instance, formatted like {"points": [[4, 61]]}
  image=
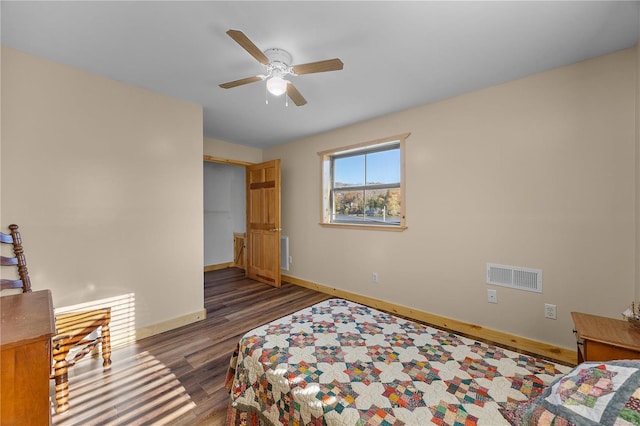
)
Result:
{"points": [[366, 186], [376, 205]]}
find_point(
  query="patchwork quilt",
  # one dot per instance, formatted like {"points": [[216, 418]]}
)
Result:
{"points": [[593, 393], [341, 363]]}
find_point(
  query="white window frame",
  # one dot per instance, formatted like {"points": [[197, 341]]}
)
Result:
{"points": [[326, 163]]}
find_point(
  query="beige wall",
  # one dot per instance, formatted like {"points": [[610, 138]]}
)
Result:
{"points": [[229, 151], [105, 181], [538, 172]]}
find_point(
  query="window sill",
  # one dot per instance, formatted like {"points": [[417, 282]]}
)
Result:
{"points": [[393, 228]]}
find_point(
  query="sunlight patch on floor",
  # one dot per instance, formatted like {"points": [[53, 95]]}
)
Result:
{"points": [[137, 390]]}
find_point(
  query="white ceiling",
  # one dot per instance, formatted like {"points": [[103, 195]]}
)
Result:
{"points": [[396, 55]]}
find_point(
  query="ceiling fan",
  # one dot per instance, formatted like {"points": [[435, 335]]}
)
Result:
{"points": [[278, 65]]}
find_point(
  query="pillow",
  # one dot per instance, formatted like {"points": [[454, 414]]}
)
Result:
{"points": [[593, 393]]}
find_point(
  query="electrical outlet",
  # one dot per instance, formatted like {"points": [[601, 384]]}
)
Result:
{"points": [[290, 259], [492, 296], [549, 311], [374, 277]]}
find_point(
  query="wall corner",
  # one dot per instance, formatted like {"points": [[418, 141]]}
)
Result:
{"points": [[637, 175]]}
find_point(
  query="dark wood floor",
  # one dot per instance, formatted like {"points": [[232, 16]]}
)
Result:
{"points": [[178, 377]]}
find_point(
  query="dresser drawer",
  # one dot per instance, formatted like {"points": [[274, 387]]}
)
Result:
{"points": [[598, 351]]}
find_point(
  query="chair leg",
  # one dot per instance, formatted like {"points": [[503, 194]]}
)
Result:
{"points": [[62, 382], [106, 345]]}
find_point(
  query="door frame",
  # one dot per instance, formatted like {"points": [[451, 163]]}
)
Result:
{"points": [[220, 160]]}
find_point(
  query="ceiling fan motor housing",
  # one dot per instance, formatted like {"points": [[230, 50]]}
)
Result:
{"points": [[279, 61]]}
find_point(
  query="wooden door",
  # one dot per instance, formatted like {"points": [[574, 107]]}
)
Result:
{"points": [[263, 222]]}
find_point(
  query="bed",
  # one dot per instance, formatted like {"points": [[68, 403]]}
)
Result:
{"points": [[342, 363]]}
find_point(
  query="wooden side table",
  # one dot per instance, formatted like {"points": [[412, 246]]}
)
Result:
{"points": [[605, 339], [25, 342]]}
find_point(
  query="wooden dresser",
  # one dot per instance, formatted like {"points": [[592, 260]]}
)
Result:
{"points": [[605, 339], [28, 324]]}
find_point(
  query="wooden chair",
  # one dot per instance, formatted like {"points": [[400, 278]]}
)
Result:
{"points": [[73, 328], [17, 259]]}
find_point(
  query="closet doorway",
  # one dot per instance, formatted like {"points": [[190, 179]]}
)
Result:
{"points": [[235, 192], [225, 213]]}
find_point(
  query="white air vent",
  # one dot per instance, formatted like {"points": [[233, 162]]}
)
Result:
{"points": [[515, 277]]}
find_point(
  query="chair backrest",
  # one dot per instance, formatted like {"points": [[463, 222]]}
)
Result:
{"points": [[17, 259]]}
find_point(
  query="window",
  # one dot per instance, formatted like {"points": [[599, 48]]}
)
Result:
{"points": [[363, 185]]}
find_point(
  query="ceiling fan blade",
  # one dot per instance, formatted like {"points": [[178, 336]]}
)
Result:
{"points": [[240, 82], [320, 66], [248, 45], [294, 95]]}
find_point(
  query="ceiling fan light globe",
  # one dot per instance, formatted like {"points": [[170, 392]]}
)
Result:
{"points": [[277, 86]]}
